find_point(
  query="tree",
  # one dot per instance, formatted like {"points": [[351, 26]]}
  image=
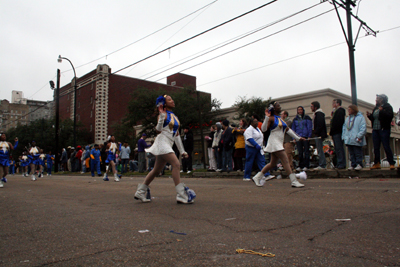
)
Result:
{"points": [[248, 107]]}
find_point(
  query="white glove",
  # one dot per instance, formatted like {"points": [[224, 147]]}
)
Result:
{"points": [[179, 145], [160, 123]]}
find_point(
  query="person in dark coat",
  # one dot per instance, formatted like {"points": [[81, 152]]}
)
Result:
{"points": [[336, 128], [381, 119], [227, 144], [319, 130], [188, 145]]}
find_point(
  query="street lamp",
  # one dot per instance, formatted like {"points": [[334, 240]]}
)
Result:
{"points": [[57, 100], [75, 86]]}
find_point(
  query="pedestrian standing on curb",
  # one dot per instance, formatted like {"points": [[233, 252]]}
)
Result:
{"points": [[381, 119], [319, 130], [124, 155], [142, 145], [226, 145], [240, 146], [354, 131], [216, 142], [212, 163], [336, 127], [302, 126]]}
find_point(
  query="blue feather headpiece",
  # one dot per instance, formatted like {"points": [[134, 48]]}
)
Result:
{"points": [[160, 100]]}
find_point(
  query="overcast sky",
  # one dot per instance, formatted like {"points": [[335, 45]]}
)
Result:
{"points": [[310, 56]]}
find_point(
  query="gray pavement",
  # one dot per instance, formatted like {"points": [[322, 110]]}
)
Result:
{"points": [[83, 221]]}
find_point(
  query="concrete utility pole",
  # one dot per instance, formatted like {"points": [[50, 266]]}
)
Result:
{"points": [[347, 5]]}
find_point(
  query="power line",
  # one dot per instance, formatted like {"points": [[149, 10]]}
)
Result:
{"points": [[240, 47], [197, 35], [188, 15], [176, 33], [237, 39]]}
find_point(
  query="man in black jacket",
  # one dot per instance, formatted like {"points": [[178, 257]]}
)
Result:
{"points": [[336, 128], [319, 130], [227, 146], [381, 119], [188, 145]]}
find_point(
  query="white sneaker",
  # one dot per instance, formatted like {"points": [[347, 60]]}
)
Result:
{"points": [[219, 170], [319, 168], [181, 171], [305, 169], [257, 179], [298, 169], [350, 168], [33, 177], [1, 184], [189, 172], [302, 175], [246, 179], [116, 178], [359, 167]]}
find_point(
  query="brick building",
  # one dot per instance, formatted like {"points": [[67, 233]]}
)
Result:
{"points": [[102, 98]]}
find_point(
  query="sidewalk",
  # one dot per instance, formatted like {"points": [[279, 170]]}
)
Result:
{"points": [[328, 173]]}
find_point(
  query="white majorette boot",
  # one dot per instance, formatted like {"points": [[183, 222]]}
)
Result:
{"points": [[294, 181], [184, 194], [257, 179], [33, 177], [116, 178], [1, 184], [302, 176], [143, 193]]}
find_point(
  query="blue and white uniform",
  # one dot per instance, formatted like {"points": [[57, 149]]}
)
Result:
{"points": [[24, 161], [278, 130], [5, 153], [165, 140], [112, 151], [34, 155], [42, 157]]}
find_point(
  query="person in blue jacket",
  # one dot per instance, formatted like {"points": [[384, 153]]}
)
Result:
{"points": [[5, 148], [49, 162], [12, 166], [353, 135], [302, 126], [95, 160]]}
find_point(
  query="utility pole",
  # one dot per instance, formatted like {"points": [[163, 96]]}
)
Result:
{"points": [[347, 5], [57, 157]]}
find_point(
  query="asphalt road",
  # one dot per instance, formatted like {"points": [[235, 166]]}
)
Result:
{"points": [[83, 221]]}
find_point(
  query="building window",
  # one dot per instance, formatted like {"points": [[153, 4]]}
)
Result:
{"points": [[91, 113], [68, 96], [79, 104], [91, 127], [91, 99], [67, 109]]}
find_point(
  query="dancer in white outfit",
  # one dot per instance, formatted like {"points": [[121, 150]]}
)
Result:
{"points": [[167, 127], [275, 145]]}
